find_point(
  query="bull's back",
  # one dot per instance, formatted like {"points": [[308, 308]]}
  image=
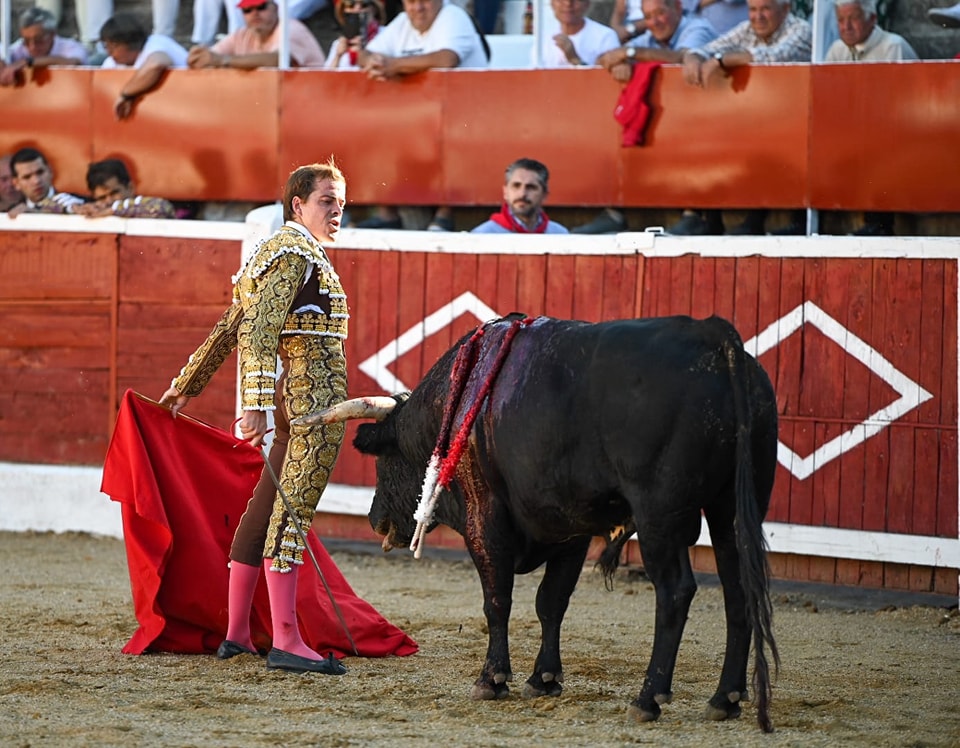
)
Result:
{"points": [[584, 412]]}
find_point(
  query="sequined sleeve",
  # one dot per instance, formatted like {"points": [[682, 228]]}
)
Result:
{"points": [[205, 361], [266, 302], [144, 207]]}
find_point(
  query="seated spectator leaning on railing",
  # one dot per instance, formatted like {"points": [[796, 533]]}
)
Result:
{"points": [[38, 47], [427, 35], [670, 33], [33, 177], [570, 39], [128, 45], [258, 44], [525, 187], [9, 194], [772, 34], [113, 194], [862, 40]]}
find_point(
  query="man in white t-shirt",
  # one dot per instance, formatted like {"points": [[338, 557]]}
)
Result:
{"points": [[427, 35], [571, 39], [128, 46]]}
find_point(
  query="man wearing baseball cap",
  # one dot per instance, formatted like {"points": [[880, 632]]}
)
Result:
{"points": [[258, 44]]}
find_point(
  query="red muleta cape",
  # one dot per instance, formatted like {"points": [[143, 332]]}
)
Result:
{"points": [[183, 485]]}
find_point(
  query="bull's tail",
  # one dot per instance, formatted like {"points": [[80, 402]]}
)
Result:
{"points": [[751, 543]]}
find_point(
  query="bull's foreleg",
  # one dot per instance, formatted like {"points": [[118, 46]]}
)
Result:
{"points": [[496, 579], [553, 596], [732, 689], [668, 566], [488, 539]]}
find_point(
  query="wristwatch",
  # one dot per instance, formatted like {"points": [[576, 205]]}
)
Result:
{"points": [[718, 56], [631, 29], [631, 53]]}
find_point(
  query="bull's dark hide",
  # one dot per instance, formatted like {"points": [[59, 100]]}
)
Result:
{"points": [[636, 424]]}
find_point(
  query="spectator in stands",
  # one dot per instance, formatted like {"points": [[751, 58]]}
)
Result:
{"points": [[772, 34], [9, 194], [129, 46], [861, 39], [427, 35], [360, 21], [670, 33], [206, 17], [38, 47], [570, 39], [113, 194], [629, 20], [525, 187], [947, 17], [257, 45], [33, 177]]}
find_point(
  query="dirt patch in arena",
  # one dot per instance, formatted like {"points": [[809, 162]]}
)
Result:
{"points": [[858, 671]]}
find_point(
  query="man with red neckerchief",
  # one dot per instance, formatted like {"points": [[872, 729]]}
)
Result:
{"points": [[525, 187]]}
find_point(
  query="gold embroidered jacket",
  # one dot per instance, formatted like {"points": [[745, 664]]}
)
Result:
{"points": [[287, 287]]}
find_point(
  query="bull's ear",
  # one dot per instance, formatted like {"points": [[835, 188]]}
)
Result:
{"points": [[377, 438]]}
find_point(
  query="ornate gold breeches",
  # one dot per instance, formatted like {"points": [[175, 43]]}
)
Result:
{"points": [[314, 377]]}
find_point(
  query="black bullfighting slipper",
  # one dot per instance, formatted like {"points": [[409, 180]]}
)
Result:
{"points": [[228, 649], [277, 659]]}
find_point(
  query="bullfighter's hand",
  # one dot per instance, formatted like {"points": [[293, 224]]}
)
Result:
{"points": [[174, 400], [253, 426]]}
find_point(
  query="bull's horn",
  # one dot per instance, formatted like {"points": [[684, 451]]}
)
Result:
{"points": [[359, 407]]}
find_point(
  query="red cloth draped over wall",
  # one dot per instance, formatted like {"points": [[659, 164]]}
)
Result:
{"points": [[183, 486]]}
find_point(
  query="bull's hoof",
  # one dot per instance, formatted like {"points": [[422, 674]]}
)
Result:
{"points": [[546, 685], [722, 707], [639, 714], [489, 691]]}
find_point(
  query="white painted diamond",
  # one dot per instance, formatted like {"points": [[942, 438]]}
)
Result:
{"points": [[911, 393], [376, 365]]}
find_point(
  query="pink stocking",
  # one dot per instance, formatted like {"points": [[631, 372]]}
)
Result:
{"points": [[282, 589], [243, 584]]}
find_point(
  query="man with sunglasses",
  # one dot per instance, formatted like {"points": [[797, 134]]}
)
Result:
{"points": [[38, 47], [258, 44]]}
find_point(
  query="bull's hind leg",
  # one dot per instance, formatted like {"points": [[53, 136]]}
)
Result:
{"points": [[553, 596], [668, 566], [732, 689]]}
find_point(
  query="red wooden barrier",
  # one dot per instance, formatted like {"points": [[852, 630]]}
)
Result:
{"points": [[862, 352], [778, 136]]}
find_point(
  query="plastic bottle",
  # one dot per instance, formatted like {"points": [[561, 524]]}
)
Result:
{"points": [[528, 18]]}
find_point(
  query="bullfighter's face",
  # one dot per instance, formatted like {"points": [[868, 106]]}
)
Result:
{"points": [[322, 210]]}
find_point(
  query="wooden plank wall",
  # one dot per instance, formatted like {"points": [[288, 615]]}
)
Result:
{"points": [[85, 316]]}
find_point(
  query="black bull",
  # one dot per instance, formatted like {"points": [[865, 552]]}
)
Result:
{"points": [[598, 430]]}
